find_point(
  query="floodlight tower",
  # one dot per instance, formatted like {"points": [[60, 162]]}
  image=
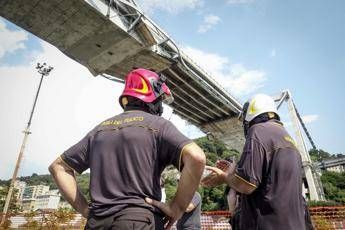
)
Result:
{"points": [[43, 70]]}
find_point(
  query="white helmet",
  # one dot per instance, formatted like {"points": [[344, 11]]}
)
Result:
{"points": [[259, 104]]}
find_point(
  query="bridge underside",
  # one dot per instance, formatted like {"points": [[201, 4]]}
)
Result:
{"points": [[113, 40]]}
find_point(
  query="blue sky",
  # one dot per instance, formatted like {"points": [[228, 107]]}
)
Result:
{"points": [[299, 45], [249, 46]]}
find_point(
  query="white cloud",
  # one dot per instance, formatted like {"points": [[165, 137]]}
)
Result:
{"points": [[273, 53], [307, 119], [310, 118], [239, 1], [183, 126], [11, 40], [211, 62], [170, 6], [70, 104], [236, 78], [209, 22]]}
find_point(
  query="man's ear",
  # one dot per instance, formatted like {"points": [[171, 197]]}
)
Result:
{"points": [[124, 101]]}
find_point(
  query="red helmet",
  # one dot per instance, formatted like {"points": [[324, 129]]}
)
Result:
{"points": [[147, 86]]}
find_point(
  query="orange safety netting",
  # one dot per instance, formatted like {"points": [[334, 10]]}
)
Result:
{"points": [[323, 218], [328, 217], [215, 220]]}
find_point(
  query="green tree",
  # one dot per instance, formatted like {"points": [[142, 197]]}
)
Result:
{"points": [[217, 147], [318, 155], [214, 198], [334, 186], [83, 181], [170, 175]]}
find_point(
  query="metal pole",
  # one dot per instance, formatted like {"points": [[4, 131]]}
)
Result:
{"points": [[44, 71], [306, 161]]}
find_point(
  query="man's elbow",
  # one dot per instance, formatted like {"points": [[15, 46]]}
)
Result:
{"points": [[52, 168], [56, 167], [200, 158], [194, 157]]}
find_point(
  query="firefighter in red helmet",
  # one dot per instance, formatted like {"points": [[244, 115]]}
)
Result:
{"points": [[148, 89], [126, 155]]}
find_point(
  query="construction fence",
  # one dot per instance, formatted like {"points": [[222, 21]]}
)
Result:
{"points": [[323, 218]]}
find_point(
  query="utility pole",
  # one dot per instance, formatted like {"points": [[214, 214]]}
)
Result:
{"points": [[43, 70]]}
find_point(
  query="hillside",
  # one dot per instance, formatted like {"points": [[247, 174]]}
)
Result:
{"points": [[213, 199]]}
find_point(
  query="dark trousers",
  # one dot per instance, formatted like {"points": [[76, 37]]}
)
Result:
{"points": [[127, 219], [235, 220]]}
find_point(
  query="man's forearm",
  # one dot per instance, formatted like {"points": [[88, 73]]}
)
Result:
{"points": [[239, 184], [67, 184], [194, 163]]}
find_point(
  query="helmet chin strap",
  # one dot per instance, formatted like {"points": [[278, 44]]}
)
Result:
{"points": [[156, 107], [243, 115], [245, 128], [259, 119]]}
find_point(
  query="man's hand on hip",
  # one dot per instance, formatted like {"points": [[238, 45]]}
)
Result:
{"points": [[172, 212], [85, 212]]}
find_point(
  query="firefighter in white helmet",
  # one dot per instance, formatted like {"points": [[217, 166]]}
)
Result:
{"points": [[260, 104], [268, 176]]}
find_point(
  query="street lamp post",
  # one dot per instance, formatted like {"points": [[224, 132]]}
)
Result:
{"points": [[43, 70]]}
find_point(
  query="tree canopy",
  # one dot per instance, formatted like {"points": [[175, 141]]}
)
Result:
{"points": [[334, 186], [318, 155]]}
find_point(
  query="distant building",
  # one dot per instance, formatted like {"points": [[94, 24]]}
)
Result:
{"points": [[31, 192], [53, 192], [339, 168], [47, 201], [333, 165], [38, 197], [28, 204], [41, 190], [30, 195], [20, 186]]}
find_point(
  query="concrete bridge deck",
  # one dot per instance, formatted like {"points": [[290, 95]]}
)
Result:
{"points": [[112, 38]]}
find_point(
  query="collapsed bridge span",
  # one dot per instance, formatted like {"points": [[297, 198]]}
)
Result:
{"points": [[112, 37]]}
